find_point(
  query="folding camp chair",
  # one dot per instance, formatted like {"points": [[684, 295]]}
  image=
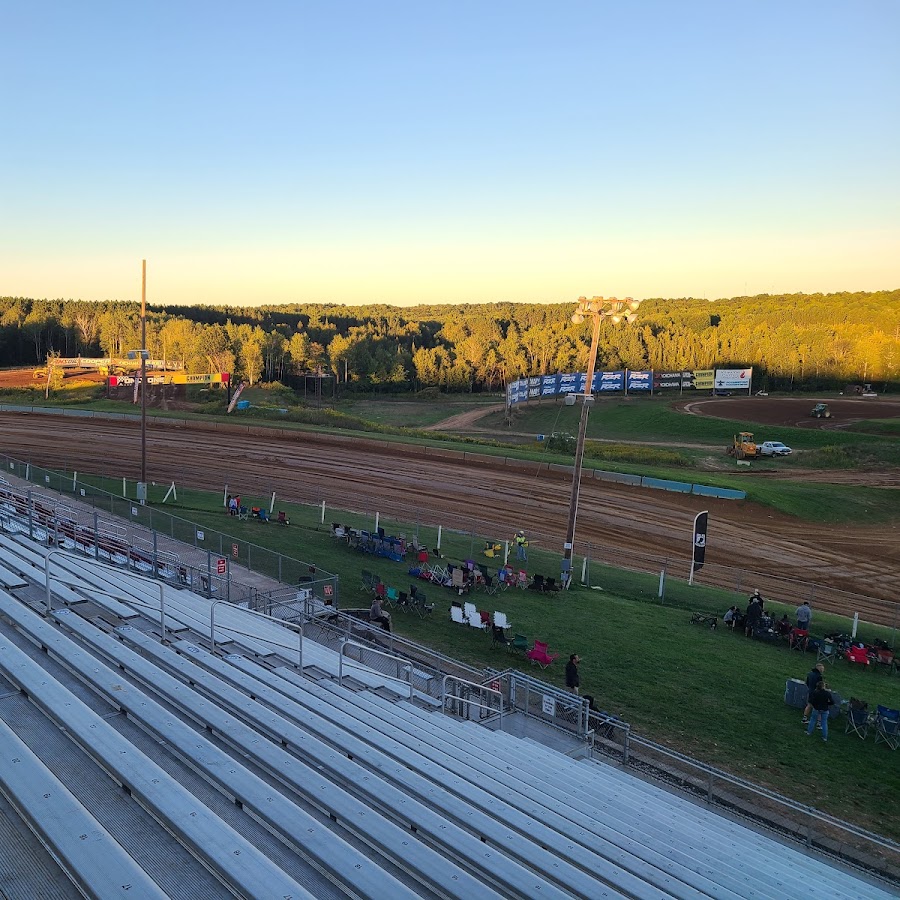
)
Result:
{"points": [[469, 610], [522, 580], [500, 620], [422, 606], [243, 513], [263, 516], [519, 642], [367, 581], [490, 586], [541, 654], [391, 596], [485, 619], [825, 652], [456, 615], [550, 585], [499, 638], [858, 655], [537, 583], [458, 580], [475, 621], [403, 601], [798, 639], [282, 518], [887, 727], [857, 718]]}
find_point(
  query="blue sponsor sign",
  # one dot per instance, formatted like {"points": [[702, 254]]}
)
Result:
{"points": [[609, 381], [640, 381], [549, 385], [571, 383]]}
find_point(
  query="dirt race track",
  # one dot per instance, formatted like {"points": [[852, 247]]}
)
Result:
{"points": [[791, 411], [631, 526]]}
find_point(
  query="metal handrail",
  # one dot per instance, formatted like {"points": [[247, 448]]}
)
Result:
{"points": [[291, 626], [479, 687], [405, 666]]}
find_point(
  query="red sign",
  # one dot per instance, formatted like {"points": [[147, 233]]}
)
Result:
{"points": [[329, 590], [220, 566], [235, 550], [495, 685]]}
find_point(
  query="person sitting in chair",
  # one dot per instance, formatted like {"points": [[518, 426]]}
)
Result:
{"points": [[377, 614], [784, 625]]}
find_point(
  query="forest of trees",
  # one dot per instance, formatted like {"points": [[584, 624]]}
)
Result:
{"points": [[798, 340]]}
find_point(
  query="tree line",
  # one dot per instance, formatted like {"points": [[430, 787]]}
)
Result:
{"points": [[795, 340]]}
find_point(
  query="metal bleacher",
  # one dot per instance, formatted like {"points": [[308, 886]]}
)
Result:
{"points": [[158, 762]]}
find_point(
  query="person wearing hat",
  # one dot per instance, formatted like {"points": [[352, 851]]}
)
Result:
{"points": [[573, 682], [521, 546]]}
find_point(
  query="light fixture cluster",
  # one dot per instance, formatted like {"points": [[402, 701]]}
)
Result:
{"points": [[606, 308]]}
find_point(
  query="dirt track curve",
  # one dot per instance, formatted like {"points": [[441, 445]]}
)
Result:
{"points": [[634, 527]]}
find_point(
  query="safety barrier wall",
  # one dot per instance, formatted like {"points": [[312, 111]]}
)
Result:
{"points": [[722, 493], [679, 487], [618, 477]]}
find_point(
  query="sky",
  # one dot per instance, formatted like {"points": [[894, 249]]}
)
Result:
{"points": [[442, 152]]}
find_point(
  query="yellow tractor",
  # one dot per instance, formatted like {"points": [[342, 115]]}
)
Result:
{"points": [[743, 447]]}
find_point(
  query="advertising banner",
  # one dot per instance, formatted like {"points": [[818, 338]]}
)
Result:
{"points": [[734, 379], [704, 379], [666, 380], [639, 381], [572, 383], [609, 381], [549, 385], [701, 521]]}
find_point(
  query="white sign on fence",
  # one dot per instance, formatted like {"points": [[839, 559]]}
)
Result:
{"points": [[548, 705]]}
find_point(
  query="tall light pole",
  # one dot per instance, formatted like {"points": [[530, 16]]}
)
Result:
{"points": [[598, 309], [144, 375]]}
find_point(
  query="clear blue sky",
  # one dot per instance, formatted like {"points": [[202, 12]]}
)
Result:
{"points": [[469, 151]]}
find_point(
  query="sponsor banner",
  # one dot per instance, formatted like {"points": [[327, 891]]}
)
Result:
{"points": [[572, 383], [549, 385], [664, 380], [731, 379], [639, 381], [609, 381], [704, 379], [206, 378], [534, 382], [701, 520], [128, 381]]}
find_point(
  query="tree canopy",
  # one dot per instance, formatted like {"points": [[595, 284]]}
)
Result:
{"points": [[808, 340]]}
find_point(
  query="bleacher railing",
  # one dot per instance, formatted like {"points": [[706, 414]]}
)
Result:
{"points": [[203, 551]]}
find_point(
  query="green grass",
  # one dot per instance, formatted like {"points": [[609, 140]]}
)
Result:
{"points": [[408, 412]]}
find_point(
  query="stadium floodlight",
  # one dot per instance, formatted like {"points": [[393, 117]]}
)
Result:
{"points": [[597, 309]]}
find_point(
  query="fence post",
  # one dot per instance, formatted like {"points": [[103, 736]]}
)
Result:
{"points": [[30, 517], [155, 548], [625, 747], [323, 512], [96, 535]]}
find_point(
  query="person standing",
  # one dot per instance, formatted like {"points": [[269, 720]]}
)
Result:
{"points": [[821, 701], [521, 546], [573, 682], [813, 680], [804, 616], [754, 614]]}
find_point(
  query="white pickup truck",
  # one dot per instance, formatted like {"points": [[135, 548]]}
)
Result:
{"points": [[774, 448]]}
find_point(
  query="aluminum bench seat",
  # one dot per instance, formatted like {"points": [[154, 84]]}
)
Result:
{"points": [[301, 777], [330, 746], [222, 849], [691, 828], [281, 815], [88, 853], [444, 788], [419, 734]]}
